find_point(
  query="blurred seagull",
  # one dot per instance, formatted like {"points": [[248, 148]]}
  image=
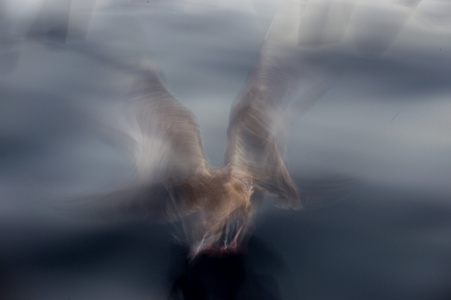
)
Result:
{"points": [[174, 181], [217, 203]]}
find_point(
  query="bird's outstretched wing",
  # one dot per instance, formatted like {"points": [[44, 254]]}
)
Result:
{"points": [[252, 145], [164, 142], [260, 116], [165, 136]]}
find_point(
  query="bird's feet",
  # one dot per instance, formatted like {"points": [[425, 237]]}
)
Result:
{"points": [[225, 250]]}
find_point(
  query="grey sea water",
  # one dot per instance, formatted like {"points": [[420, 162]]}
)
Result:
{"points": [[383, 124]]}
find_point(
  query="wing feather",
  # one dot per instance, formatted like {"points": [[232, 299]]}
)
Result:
{"points": [[252, 145], [262, 112], [167, 141], [164, 142]]}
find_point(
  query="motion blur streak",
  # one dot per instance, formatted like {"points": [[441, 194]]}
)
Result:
{"points": [[174, 181], [369, 80]]}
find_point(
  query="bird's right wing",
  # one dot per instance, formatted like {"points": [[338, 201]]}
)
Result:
{"points": [[252, 145], [259, 118]]}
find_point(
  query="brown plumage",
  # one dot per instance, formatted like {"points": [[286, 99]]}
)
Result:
{"points": [[215, 205], [174, 181]]}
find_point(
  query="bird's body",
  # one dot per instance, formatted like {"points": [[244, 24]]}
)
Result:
{"points": [[222, 204]]}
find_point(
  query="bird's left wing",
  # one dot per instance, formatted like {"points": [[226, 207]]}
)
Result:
{"points": [[164, 143], [165, 136]]}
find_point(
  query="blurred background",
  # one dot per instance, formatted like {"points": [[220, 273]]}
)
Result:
{"points": [[383, 120]]}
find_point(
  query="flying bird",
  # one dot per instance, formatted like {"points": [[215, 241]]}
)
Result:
{"points": [[173, 179]]}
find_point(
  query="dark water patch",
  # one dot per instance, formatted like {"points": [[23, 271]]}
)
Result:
{"points": [[259, 273]]}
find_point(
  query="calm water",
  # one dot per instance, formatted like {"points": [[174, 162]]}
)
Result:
{"points": [[383, 125]]}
